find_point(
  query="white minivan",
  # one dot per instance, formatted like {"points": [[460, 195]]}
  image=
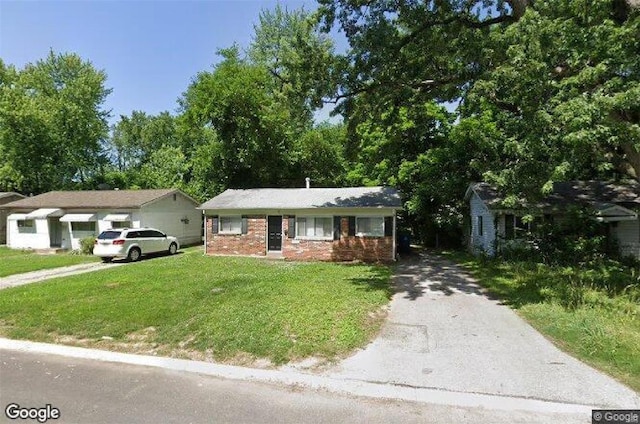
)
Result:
{"points": [[132, 243]]}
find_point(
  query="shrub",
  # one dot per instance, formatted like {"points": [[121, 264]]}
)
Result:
{"points": [[86, 245]]}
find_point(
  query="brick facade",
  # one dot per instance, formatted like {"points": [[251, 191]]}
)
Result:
{"points": [[254, 242]]}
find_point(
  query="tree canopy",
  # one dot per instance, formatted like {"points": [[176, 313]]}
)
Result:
{"points": [[434, 95]]}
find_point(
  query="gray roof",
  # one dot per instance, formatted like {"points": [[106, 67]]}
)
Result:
{"points": [[588, 193], [91, 199], [306, 198]]}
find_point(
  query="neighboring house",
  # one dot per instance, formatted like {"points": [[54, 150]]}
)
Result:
{"points": [[60, 219], [326, 224], [6, 197], [616, 204]]}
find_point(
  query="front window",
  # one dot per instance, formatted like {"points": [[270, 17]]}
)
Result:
{"points": [[515, 227], [370, 227], [25, 223], [83, 226], [314, 227], [230, 225]]}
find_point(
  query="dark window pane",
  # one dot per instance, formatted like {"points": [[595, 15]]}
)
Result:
{"points": [[109, 235]]}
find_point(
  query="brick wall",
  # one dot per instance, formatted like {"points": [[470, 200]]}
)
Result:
{"points": [[367, 249], [348, 248], [252, 243]]}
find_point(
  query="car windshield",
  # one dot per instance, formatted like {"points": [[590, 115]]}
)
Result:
{"points": [[109, 235]]}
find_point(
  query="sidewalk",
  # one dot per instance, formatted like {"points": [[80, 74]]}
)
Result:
{"points": [[561, 412], [46, 274]]}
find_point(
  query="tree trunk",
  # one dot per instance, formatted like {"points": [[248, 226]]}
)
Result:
{"points": [[632, 157]]}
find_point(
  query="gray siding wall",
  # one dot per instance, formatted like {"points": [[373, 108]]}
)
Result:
{"points": [[628, 235], [484, 242]]}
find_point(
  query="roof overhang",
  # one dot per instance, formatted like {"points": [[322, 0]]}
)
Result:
{"points": [[614, 213], [335, 211], [43, 213], [78, 217]]}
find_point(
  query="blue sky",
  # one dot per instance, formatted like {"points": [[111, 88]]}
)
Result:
{"points": [[150, 50]]}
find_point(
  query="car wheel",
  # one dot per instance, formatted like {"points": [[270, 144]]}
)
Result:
{"points": [[134, 254], [173, 249], [106, 260]]}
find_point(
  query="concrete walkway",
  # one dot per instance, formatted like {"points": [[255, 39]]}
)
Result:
{"points": [[46, 274], [444, 332]]}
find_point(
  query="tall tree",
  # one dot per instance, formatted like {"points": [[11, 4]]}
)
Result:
{"points": [[253, 126], [554, 83], [52, 124], [298, 56]]}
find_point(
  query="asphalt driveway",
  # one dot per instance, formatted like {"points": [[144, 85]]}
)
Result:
{"points": [[445, 332]]}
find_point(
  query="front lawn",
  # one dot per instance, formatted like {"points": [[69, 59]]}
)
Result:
{"points": [[19, 261], [592, 313], [189, 305]]}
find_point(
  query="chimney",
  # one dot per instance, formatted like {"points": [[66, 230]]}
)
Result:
{"points": [[308, 181]]}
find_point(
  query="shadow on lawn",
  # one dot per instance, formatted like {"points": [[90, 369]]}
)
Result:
{"points": [[515, 286], [378, 279]]}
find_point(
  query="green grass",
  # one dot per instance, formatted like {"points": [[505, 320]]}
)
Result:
{"points": [[194, 306], [19, 261], [594, 314], [5, 251]]}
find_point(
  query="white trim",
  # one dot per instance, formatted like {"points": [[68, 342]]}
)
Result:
{"points": [[314, 237], [42, 213], [117, 217], [365, 235], [310, 212], [17, 217], [78, 217], [229, 232]]}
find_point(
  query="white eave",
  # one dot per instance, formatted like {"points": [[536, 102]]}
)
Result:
{"points": [[42, 213], [117, 217], [78, 217]]}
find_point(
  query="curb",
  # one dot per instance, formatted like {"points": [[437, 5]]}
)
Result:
{"points": [[290, 378]]}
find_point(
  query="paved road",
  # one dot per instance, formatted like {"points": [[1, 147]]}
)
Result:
{"points": [[444, 332], [87, 391]]}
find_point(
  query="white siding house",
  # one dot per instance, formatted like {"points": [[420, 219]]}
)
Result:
{"points": [[493, 225], [6, 197], [483, 226], [60, 220]]}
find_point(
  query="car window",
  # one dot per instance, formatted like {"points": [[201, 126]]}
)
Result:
{"points": [[156, 234], [133, 234], [109, 235], [145, 234]]}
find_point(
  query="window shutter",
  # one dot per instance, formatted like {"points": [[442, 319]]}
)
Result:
{"points": [[291, 232], [336, 227], [214, 224], [352, 226], [244, 226], [388, 226]]}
